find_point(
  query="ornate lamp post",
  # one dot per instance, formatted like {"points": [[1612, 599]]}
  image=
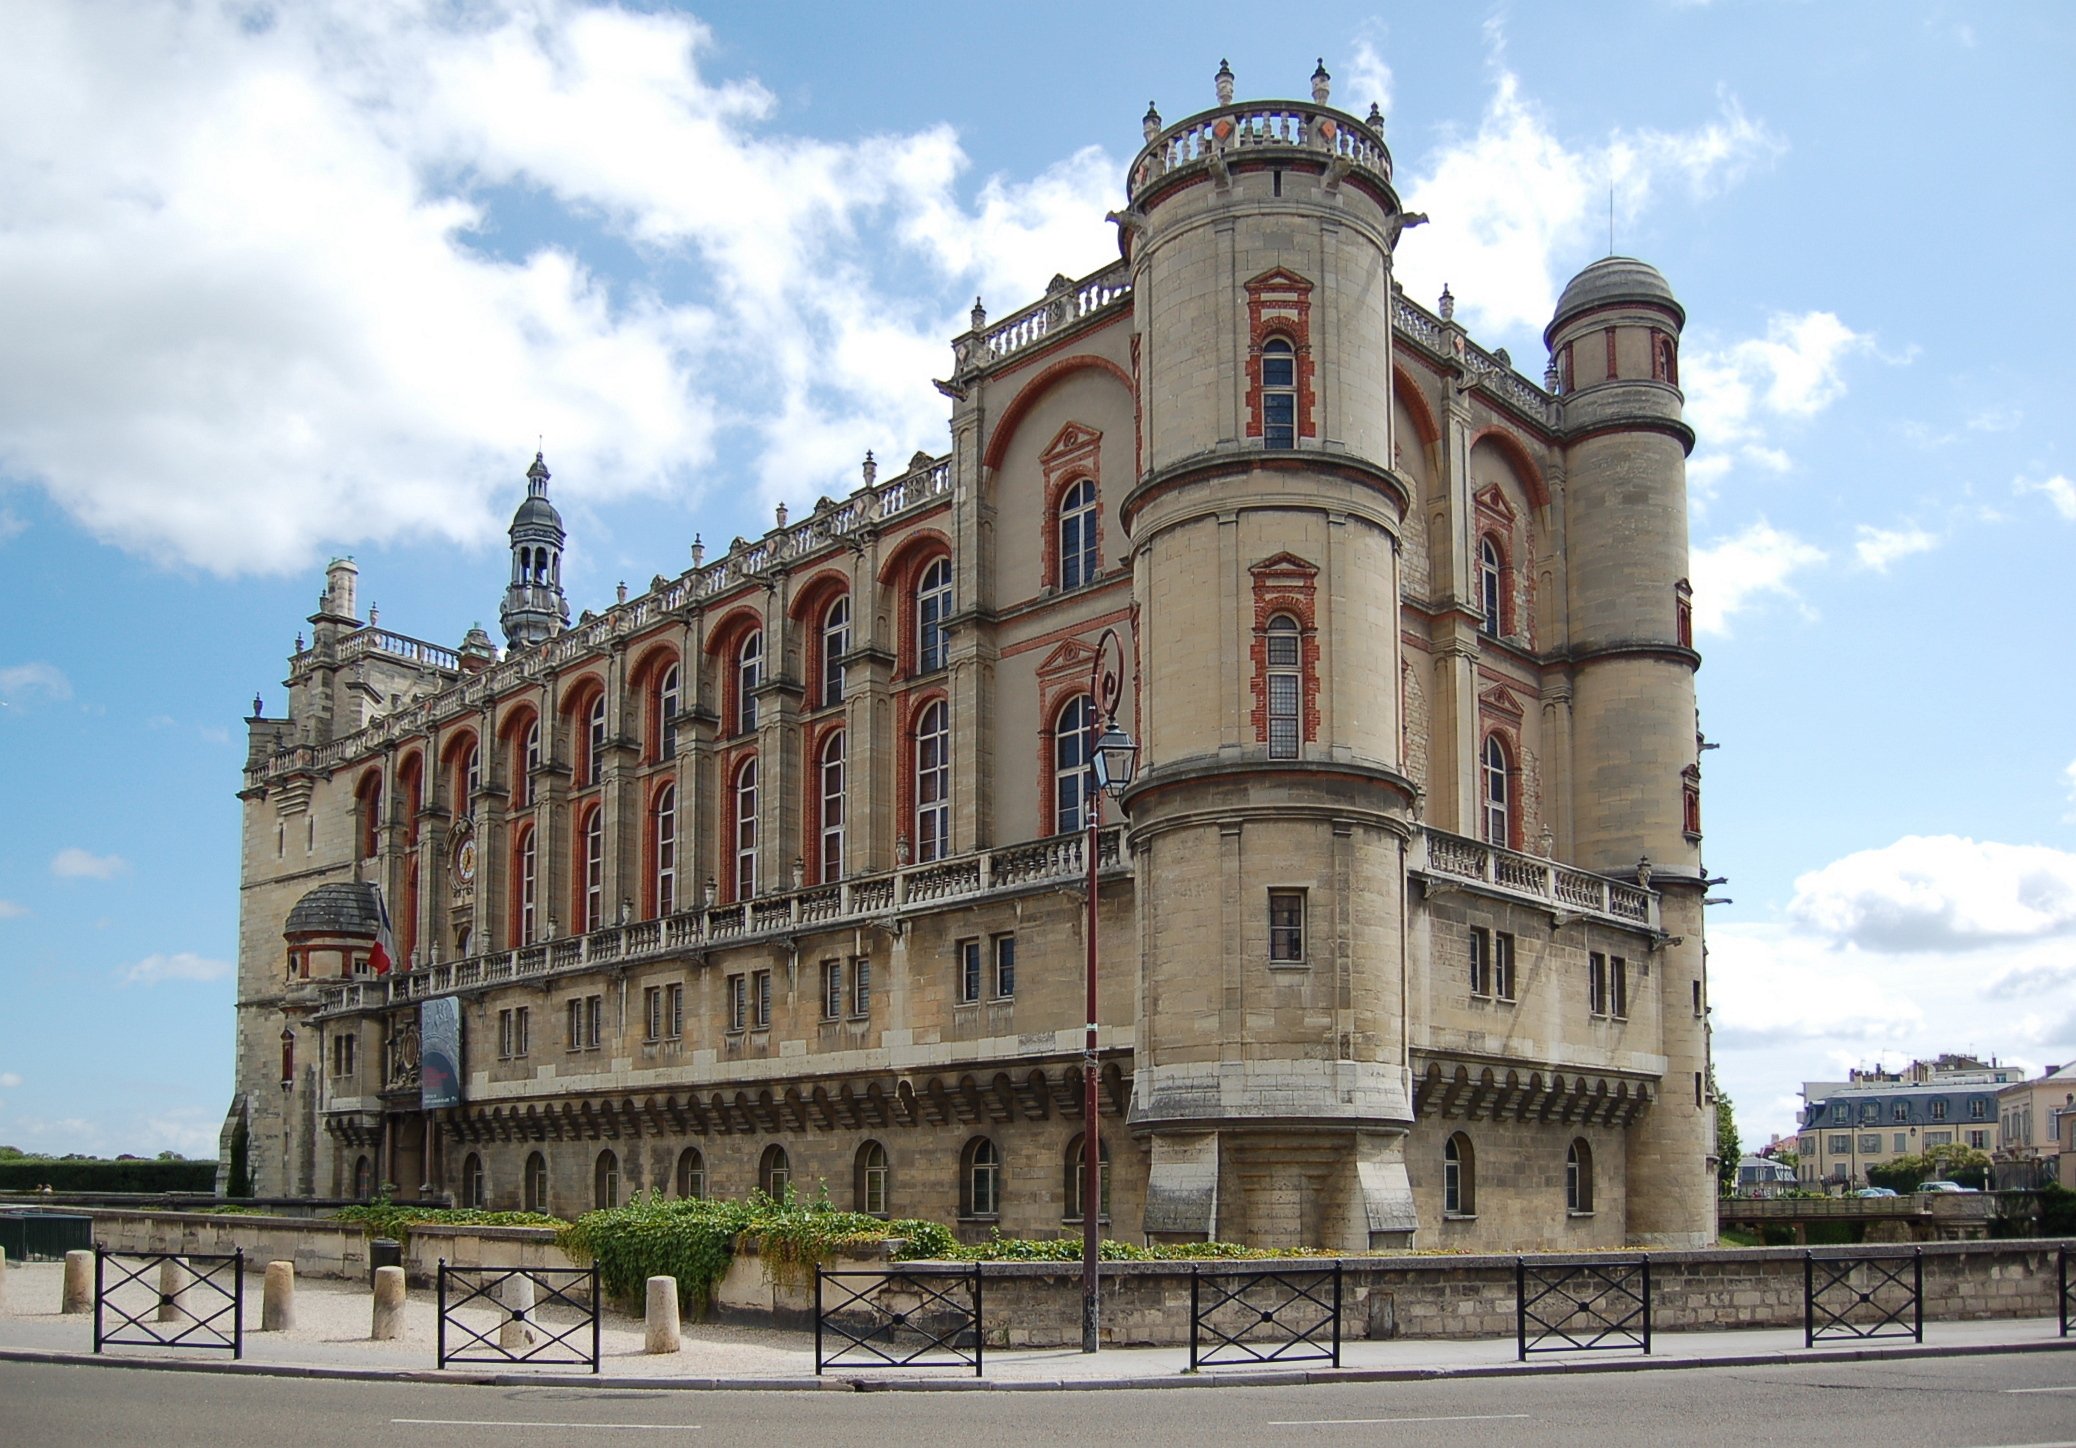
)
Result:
{"points": [[1112, 757]]}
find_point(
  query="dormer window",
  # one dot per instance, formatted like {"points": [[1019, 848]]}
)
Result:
{"points": [[1278, 394]]}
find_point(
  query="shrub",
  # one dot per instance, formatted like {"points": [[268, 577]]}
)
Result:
{"points": [[30, 1174], [395, 1219]]}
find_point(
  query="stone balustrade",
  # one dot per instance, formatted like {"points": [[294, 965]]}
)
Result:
{"points": [[1531, 877], [1212, 135]]}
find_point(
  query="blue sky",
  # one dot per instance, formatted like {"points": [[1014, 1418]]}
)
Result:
{"points": [[279, 282]]}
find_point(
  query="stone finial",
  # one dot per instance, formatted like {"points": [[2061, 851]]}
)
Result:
{"points": [[799, 872], [1375, 118], [698, 551], [871, 469], [257, 711], [1224, 81], [1447, 305], [1643, 871], [780, 513], [1322, 83], [901, 849], [1546, 843], [1550, 374], [374, 614], [299, 640], [620, 593], [1151, 125], [979, 315]]}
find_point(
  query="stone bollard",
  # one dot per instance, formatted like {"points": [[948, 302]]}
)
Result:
{"points": [[516, 1293], [278, 1298], [79, 1282], [660, 1327], [389, 1305], [172, 1285]]}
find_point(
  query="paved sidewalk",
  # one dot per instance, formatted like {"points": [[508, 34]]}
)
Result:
{"points": [[333, 1319]]}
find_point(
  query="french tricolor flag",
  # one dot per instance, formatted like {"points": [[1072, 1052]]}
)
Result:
{"points": [[383, 956]]}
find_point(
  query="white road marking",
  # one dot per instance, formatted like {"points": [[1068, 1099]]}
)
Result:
{"points": [[511, 1423], [2069, 1388], [1458, 1418]]}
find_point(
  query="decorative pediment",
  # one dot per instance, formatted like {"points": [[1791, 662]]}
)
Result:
{"points": [[1071, 657], [1500, 700], [1072, 438], [1279, 279], [1284, 563], [1491, 500]]}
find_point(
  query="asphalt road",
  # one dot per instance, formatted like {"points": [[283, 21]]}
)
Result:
{"points": [[1979, 1402]]}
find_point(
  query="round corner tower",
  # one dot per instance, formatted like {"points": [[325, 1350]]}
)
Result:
{"points": [[1271, 1078], [1614, 340]]}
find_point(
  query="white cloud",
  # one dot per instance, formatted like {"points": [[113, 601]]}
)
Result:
{"points": [[183, 966], [10, 1079], [1363, 81], [2070, 775], [11, 525], [10, 910], [1995, 419], [1940, 892], [274, 282], [1513, 203], [1877, 548], [25, 685], [73, 863], [1735, 394], [1733, 573], [2058, 490]]}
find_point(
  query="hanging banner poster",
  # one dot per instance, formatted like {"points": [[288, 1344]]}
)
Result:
{"points": [[439, 1060]]}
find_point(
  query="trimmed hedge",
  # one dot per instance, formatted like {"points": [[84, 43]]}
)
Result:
{"points": [[108, 1176]]}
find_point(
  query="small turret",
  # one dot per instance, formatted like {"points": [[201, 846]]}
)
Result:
{"points": [[534, 608], [340, 582]]}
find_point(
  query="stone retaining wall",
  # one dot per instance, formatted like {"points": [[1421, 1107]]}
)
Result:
{"points": [[323, 1248]]}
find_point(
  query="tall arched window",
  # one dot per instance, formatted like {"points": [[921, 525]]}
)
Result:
{"points": [[933, 782], [472, 1180], [749, 673], [605, 1180], [746, 830], [836, 642], [933, 605], [525, 887], [591, 873], [980, 1179], [534, 1192], [595, 741], [367, 815], [1578, 1177], [665, 836], [869, 1179], [1459, 1177], [468, 777], [1278, 394], [830, 850], [1496, 793], [363, 1178], [668, 700], [1285, 691], [1077, 1169], [691, 1173], [1077, 524], [1491, 572], [529, 761], [1070, 781], [774, 1172]]}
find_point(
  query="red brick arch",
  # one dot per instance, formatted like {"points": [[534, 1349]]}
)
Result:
{"points": [[1028, 397]]}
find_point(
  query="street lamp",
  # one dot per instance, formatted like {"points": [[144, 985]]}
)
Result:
{"points": [[1112, 757]]}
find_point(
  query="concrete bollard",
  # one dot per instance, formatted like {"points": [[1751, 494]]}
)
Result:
{"points": [[172, 1286], [389, 1305], [516, 1293], [79, 1282], [278, 1298], [660, 1325]]}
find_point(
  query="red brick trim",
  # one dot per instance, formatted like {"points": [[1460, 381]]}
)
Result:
{"points": [[1491, 725], [902, 572], [1052, 698], [813, 740], [909, 709], [731, 763], [1074, 453], [1525, 468], [1665, 357], [1290, 585], [1028, 395], [1613, 371], [1279, 304], [1407, 392], [515, 921]]}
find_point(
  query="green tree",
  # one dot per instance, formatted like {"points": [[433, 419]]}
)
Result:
{"points": [[1727, 1151]]}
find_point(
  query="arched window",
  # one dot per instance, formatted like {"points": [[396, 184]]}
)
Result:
{"points": [[605, 1180], [746, 829], [1285, 691], [836, 642], [1070, 778], [534, 1191], [529, 762], [664, 834], [1578, 1177], [1491, 573], [668, 700], [1077, 1168], [525, 887], [774, 1172], [1077, 524], [933, 605], [869, 1179], [472, 1180], [468, 777], [1459, 1177], [933, 782], [749, 673], [595, 741], [363, 1178], [980, 1179], [691, 1173], [591, 871], [1278, 394], [830, 851], [367, 808], [1498, 821]]}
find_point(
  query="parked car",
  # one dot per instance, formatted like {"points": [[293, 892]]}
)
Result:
{"points": [[1875, 1192], [1943, 1186]]}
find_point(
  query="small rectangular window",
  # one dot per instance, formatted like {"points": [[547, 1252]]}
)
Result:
{"points": [[861, 986], [576, 1023], [761, 1000], [1287, 926], [1480, 961], [652, 1013], [594, 1019], [1503, 966], [674, 1011], [738, 1002], [1697, 998], [520, 1031], [1870, 1143], [1618, 988], [504, 1034], [1596, 983], [1902, 1142], [1005, 966], [832, 989], [969, 971]]}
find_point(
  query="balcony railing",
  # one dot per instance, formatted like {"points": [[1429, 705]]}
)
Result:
{"points": [[1532, 877], [1061, 859]]}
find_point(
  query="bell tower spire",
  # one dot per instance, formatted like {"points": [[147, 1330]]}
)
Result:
{"points": [[534, 608]]}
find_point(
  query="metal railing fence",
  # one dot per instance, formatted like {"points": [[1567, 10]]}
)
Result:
{"points": [[1600, 1304], [1888, 1286], [896, 1317], [1270, 1315], [533, 1316], [185, 1307]]}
